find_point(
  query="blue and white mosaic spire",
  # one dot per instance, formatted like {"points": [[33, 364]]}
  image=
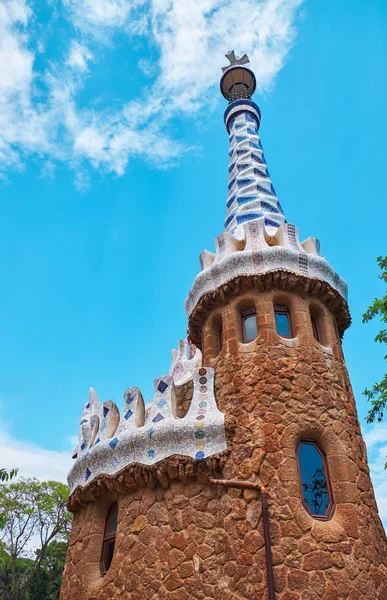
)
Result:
{"points": [[251, 194]]}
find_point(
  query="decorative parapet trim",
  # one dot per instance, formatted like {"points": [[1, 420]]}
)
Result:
{"points": [[258, 253], [173, 468], [147, 434], [185, 360]]}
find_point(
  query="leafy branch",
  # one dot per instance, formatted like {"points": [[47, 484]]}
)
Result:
{"points": [[377, 395]]}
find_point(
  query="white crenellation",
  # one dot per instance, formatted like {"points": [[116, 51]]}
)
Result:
{"points": [[258, 250], [185, 360], [146, 434]]}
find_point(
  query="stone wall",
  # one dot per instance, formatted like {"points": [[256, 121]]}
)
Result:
{"points": [[180, 537]]}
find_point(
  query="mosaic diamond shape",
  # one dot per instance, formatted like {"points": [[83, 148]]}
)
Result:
{"points": [[151, 453], [88, 405], [83, 446], [105, 411], [97, 441], [83, 421], [113, 443], [158, 417], [87, 474], [150, 431], [128, 414], [162, 386]]}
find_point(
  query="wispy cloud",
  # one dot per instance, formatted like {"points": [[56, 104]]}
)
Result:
{"points": [[79, 56], [39, 114], [376, 441], [32, 460]]}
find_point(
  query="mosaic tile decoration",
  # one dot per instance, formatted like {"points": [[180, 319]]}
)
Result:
{"points": [[257, 238], [250, 190], [146, 434], [259, 251], [185, 360]]}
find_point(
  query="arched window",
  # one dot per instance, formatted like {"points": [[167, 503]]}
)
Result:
{"points": [[315, 327], [282, 321], [220, 335], [249, 325], [315, 484], [109, 539], [316, 318]]}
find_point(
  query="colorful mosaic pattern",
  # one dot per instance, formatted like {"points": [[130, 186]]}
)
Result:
{"points": [[251, 193], [185, 360], [259, 252], [257, 238], [148, 433]]}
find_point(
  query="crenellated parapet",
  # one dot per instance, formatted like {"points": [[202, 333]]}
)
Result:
{"points": [[185, 360], [260, 252], [110, 440]]}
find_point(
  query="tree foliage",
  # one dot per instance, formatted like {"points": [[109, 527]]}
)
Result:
{"points": [[34, 514], [377, 395], [6, 475]]}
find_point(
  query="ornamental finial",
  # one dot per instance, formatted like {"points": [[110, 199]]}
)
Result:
{"points": [[235, 60], [238, 82]]}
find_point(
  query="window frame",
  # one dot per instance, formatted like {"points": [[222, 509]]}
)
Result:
{"points": [[245, 314], [108, 538], [282, 309], [331, 506]]}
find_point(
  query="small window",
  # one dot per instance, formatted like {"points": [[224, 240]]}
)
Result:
{"points": [[316, 491], [282, 321], [220, 337], [315, 328], [109, 539], [249, 325]]}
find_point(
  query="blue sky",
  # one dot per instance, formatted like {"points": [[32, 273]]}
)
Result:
{"points": [[113, 179]]}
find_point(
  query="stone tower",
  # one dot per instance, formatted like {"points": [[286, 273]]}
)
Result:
{"points": [[246, 476]]}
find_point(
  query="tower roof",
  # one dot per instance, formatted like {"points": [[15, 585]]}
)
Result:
{"points": [[251, 193], [257, 241]]}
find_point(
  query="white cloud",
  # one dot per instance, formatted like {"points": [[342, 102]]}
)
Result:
{"points": [[32, 460], [376, 441], [19, 120], [79, 56], [39, 115], [89, 14]]}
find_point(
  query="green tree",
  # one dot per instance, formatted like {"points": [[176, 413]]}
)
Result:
{"points": [[35, 513], [47, 581], [6, 476], [377, 395]]}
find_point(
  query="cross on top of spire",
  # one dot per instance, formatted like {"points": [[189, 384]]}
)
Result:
{"points": [[235, 60]]}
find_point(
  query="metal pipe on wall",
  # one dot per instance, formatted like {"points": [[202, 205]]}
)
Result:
{"points": [[251, 485]]}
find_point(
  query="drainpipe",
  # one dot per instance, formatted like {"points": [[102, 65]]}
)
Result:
{"points": [[250, 485]]}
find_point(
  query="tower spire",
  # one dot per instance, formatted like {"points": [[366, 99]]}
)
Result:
{"points": [[251, 194]]}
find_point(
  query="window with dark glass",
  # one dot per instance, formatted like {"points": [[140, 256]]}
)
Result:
{"points": [[315, 328], [109, 539], [282, 321], [220, 337], [315, 485], [249, 325]]}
